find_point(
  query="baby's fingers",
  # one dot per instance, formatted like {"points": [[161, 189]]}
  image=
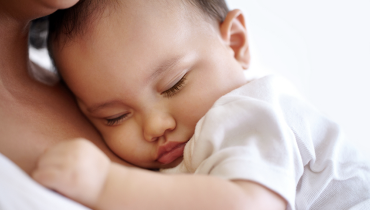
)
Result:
{"points": [[60, 177], [49, 177], [57, 168], [76, 169]]}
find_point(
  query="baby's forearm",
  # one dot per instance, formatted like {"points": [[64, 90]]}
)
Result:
{"points": [[139, 189], [80, 171]]}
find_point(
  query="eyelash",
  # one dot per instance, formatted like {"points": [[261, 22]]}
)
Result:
{"points": [[176, 88], [115, 121], [168, 93]]}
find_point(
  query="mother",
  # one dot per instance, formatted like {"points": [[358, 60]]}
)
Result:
{"points": [[33, 116]]}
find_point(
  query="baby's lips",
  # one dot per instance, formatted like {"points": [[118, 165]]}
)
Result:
{"points": [[170, 152]]}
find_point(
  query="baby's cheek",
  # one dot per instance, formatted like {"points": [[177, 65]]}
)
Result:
{"points": [[193, 111], [123, 139]]}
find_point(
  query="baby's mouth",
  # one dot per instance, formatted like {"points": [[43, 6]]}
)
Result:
{"points": [[170, 152]]}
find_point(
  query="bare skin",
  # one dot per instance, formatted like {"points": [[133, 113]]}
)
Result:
{"points": [[80, 171], [33, 116]]}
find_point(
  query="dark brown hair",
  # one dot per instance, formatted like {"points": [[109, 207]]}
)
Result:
{"points": [[77, 19], [216, 9]]}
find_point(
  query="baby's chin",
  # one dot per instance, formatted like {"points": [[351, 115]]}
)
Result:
{"points": [[157, 166], [173, 163]]}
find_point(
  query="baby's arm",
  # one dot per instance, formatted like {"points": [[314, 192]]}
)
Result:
{"points": [[139, 189], [82, 172]]}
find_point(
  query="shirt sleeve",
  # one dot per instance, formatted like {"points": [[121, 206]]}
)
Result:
{"points": [[246, 139]]}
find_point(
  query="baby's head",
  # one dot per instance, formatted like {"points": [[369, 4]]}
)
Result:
{"points": [[145, 72]]}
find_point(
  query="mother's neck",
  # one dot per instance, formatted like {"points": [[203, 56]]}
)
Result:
{"points": [[14, 62]]}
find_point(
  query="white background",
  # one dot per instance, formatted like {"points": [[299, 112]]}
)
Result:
{"points": [[323, 47]]}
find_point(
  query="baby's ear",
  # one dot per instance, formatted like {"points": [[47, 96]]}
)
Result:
{"points": [[234, 33]]}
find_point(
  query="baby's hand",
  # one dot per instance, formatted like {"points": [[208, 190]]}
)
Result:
{"points": [[76, 169]]}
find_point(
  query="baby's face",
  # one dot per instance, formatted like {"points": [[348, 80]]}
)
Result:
{"points": [[145, 76]]}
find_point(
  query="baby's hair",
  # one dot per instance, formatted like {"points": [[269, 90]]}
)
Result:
{"points": [[77, 19], [216, 9]]}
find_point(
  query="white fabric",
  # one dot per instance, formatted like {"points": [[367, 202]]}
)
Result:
{"points": [[265, 132], [19, 192]]}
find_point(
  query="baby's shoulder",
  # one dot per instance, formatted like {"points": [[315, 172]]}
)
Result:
{"points": [[271, 89]]}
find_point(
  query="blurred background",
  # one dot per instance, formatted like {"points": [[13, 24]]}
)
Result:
{"points": [[323, 47]]}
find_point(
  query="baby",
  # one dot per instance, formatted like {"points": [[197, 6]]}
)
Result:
{"points": [[163, 82]]}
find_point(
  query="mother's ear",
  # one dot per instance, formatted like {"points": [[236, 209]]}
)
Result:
{"points": [[234, 33]]}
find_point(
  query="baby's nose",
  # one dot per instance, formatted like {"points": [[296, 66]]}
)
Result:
{"points": [[156, 125]]}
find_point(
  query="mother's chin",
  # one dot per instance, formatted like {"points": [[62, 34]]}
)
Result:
{"points": [[32, 9]]}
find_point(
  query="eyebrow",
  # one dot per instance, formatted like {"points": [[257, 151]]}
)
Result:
{"points": [[164, 67], [96, 107]]}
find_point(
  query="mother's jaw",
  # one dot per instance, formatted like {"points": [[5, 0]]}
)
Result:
{"points": [[27, 10]]}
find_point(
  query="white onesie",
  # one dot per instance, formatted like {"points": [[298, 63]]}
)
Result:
{"points": [[266, 132]]}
